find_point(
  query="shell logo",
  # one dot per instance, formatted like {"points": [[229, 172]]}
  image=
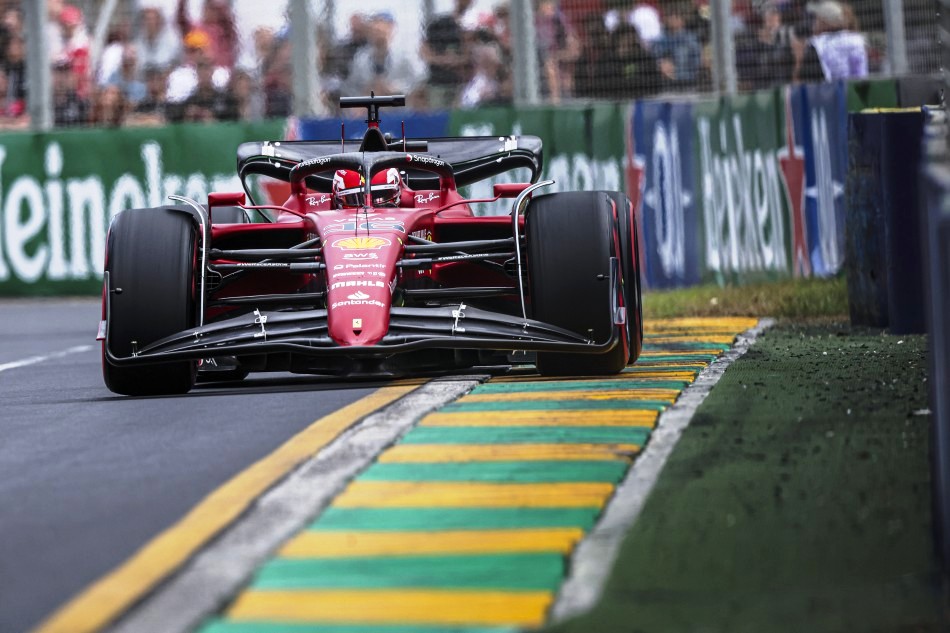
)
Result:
{"points": [[361, 243]]}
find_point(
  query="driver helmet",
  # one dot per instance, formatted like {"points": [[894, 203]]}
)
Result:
{"points": [[349, 187]]}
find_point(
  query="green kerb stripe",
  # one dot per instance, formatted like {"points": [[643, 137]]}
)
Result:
{"points": [[581, 404], [434, 519], [527, 435], [500, 472], [491, 571]]}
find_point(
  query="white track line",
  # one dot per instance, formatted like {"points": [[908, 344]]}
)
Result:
{"points": [[593, 559], [32, 360]]}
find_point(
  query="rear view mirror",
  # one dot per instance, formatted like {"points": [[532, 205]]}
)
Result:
{"points": [[226, 199], [510, 189]]}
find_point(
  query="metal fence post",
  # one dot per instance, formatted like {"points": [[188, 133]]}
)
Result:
{"points": [[896, 40], [526, 88], [303, 43], [39, 91], [723, 47]]}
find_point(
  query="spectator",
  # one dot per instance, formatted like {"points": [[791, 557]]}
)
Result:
{"points": [[645, 17], [110, 61], [158, 45], [337, 61], [151, 109], [11, 25], [678, 52], [484, 88], [183, 81], [208, 102], [558, 49], [278, 92], [11, 113], [381, 68], [70, 109], [249, 106], [834, 51], [75, 49], [591, 72], [765, 57], [444, 50], [127, 79], [632, 71], [54, 30], [15, 70], [110, 107], [217, 20]]}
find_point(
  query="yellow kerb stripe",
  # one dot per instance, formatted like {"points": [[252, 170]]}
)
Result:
{"points": [[724, 339], [448, 453], [405, 607], [698, 324], [344, 544], [643, 375], [112, 594], [399, 494], [607, 417]]}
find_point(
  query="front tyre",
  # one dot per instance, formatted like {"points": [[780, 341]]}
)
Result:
{"points": [[571, 239], [150, 258]]}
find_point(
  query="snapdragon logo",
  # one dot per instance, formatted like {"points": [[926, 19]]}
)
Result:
{"points": [[54, 228]]}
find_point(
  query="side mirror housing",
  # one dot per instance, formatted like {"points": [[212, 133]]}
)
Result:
{"points": [[510, 189], [218, 199]]}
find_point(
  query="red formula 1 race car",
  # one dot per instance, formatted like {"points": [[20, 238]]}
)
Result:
{"points": [[374, 265]]}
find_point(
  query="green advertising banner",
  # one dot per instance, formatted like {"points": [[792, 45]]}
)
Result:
{"points": [[741, 197], [583, 145], [58, 192]]}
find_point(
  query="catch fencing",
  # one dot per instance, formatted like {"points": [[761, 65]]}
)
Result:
{"points": [[111, 63]]}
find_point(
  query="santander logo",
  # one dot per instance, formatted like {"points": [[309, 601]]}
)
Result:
{"points": [[358, 296]]}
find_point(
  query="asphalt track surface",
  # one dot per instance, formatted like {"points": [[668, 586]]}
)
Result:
{"points": [[87, 477]]}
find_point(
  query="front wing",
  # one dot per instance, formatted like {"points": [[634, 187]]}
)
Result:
{"points": [[305, 332]]}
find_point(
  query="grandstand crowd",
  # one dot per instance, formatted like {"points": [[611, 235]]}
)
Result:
{"points": [[164, 66]]}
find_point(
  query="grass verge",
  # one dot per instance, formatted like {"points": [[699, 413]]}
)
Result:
{"points": [[797, 499], [788, 299]]}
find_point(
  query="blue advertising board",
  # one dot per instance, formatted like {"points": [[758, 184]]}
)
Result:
{"points": [[821, 128], [663, 149], [418, 125]]}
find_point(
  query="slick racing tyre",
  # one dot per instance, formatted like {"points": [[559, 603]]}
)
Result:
{"points": [[150, 258], [630, 262], [571, 238]]}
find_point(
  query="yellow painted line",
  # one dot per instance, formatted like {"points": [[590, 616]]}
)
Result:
{"points": [[349, 543], [111, 595], [404, 606], [448, 453], [428, 494], [607, 417], [665, 395]]}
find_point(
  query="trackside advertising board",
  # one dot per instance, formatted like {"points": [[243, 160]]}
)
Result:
{"points": [[58, 192], [583, 145], [751, 188]]}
